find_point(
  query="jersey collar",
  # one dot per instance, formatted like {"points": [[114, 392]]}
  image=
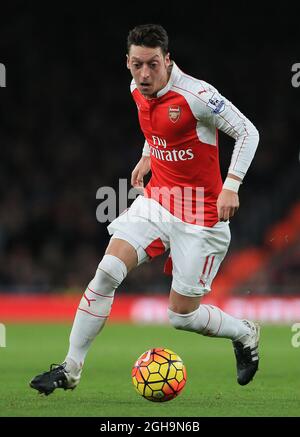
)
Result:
{"points": [[174, 74]]}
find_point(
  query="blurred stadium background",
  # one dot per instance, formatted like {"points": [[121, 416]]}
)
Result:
{"points": [[68, 126]]}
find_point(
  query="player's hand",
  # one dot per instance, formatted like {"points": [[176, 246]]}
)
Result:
{"points": [[227, 204], [141, 169]]}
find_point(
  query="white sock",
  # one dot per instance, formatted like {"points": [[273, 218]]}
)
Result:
{"points": [[94, 308], [211, 321], [72, 367]]}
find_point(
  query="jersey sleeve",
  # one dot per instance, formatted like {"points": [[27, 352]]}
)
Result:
{"points": [[214, 109]]}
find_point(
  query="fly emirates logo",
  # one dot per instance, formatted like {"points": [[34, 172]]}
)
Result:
{"points": [[169, 155]]}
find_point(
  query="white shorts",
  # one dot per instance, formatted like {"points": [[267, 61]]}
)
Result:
{"points": [[196, 252]]}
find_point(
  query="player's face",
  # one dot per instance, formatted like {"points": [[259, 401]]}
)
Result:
{"points": [[149, 69]]}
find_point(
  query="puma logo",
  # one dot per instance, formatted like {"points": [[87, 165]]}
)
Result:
{"points": [[89, 300]]}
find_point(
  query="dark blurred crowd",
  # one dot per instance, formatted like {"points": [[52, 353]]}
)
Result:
{"points": [[68, 126]]}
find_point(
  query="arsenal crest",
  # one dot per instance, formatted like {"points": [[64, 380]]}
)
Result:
{"points": [[174, 113]]}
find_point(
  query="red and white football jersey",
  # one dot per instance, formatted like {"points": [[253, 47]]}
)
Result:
{"points": [[181, 127]]}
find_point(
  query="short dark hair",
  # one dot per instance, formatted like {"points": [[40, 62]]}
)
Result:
{"points": [[149, 35]]}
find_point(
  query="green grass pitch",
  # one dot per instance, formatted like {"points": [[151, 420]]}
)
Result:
{"points": [[106, 389]]}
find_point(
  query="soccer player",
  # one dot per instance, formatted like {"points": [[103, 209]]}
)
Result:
{"points": [[186, 208]]}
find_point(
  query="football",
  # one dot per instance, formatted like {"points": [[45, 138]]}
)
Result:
{"points": [[159, 375]]}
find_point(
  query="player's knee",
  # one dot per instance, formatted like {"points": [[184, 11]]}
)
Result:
{"points": [[110, 273], [181, 321], [98, 297]]}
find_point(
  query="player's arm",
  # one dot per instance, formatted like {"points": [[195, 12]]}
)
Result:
{"points": [[216, 110], [228, 201], [142, 168]]}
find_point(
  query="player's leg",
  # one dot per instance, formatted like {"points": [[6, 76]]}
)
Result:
{"points": [[96, 303], [192, 278], [135, 240], [186, 313], [92, 313]]}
